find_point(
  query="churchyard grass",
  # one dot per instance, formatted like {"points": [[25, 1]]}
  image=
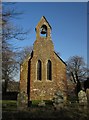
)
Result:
{"points": [[70, 112], [9, 105]]}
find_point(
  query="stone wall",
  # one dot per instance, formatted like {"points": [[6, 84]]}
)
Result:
{"points": [[48, 87], [24, 76], [43, 50]]}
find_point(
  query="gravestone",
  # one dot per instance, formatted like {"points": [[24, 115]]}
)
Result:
{"points": [[58, 100], [22, 101], [82, 98], [41, 104], [87, 93]]}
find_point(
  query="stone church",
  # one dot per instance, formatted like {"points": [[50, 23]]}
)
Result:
{"points": [[43, 72]]}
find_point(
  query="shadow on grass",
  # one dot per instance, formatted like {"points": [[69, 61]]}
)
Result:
{"points": [[69, 112]]}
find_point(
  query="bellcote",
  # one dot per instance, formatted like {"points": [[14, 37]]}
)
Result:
{"points": [[43, 29]]}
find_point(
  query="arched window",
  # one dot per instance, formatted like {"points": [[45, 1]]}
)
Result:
{"points": [[39, 70], [49, 70]]}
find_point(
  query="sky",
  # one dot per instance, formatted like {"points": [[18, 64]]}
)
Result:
{"points": [[45, 0], [68, 22]]}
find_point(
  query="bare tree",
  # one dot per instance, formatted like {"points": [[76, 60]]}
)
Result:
{"points": [[9, 32], [24, 53], [77, 70]]}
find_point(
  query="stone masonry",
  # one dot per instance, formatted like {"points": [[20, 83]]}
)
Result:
{"points": [[43, 50]]}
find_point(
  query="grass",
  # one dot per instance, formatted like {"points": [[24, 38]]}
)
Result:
{"points": [[8, 102], [69, 112], [9, 105], [36, 102]]}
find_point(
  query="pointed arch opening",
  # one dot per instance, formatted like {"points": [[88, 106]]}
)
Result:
{"points": [[39, 69], [49, 70], [43, 31]]}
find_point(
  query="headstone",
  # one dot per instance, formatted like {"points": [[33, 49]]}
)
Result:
{"points": [[82, 98], [22, 100], [41, 103], [87, 93], [58, 100]]}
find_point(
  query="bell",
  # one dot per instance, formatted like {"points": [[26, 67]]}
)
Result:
{"points": [[43, 30]]}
